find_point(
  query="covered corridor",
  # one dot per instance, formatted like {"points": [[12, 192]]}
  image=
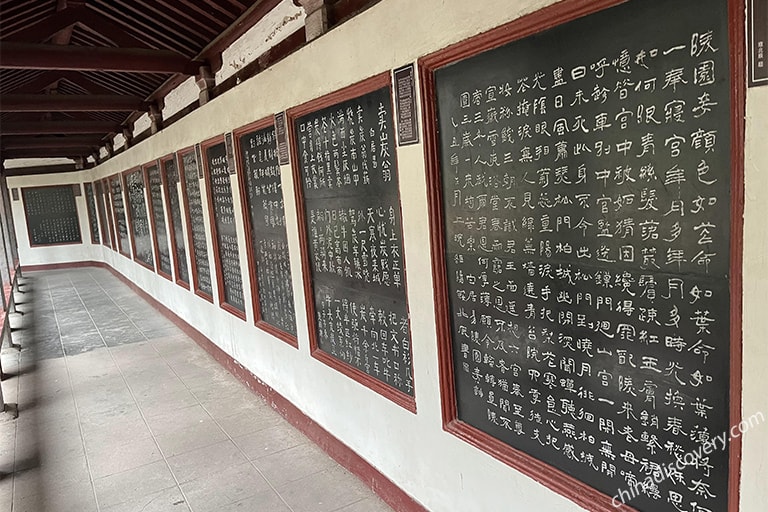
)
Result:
{"points": [[121, 411]]}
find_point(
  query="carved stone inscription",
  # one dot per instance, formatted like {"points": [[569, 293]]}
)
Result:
{"points": [[176, 226], [195, 206], [137, 201], [224, 218], [266, 212], [158, 217], [352, 203], [586, 200]]}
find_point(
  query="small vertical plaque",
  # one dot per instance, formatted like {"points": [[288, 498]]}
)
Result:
{"points": [[405, 102], [15, 194], [76, 189], [230, 148], [757, 18], [282, 139], [199, 157]]}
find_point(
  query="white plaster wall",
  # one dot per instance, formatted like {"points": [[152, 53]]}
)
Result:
{"points": [[440, 471], [16, 163], [754, 467], [184, 94], [281, 22]]}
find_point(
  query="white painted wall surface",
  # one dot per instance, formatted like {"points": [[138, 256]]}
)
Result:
{"points": [[437, 469], [281, 22]]}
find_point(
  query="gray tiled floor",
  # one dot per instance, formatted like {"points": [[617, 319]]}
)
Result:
{"points": [[121, 412]]}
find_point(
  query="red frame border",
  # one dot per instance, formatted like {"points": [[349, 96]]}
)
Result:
{"points": [[108, 212], [101, 212], [88, 211], [190, 241], [229, 308], [242, 184], [26, 217], [347, 93], [129, 212], [549, 17], [151, 214], [119, 177], [171, 226]]}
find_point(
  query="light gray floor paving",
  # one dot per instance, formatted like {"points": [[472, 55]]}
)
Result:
{"points": [[119, 411]]}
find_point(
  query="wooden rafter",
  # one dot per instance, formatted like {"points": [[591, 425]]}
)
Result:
{"points": [[78, 58], [56, 127], [66, 18], [70, 103], [33, 142]]}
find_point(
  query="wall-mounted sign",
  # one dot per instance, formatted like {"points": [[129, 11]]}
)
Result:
{"points": [[757, 32], [405, 104], [282, 139]]}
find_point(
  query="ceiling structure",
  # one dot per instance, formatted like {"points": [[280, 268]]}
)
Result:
{"points": [[74, 73]]}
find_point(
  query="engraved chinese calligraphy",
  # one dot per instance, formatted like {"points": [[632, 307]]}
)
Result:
{"points": [[586, 199], [51, 215], [199, 241], [266, 218], [158, 218], [137, 203], [174, 220], [93, 220], [118, 207], [349, 179], [225, 232], [105, 234]]}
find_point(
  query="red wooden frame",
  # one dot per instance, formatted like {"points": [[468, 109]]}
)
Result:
{"points": [[171, 226], [258, 320], [549, 17], [110, 179], [353, 91], [151, 214], [129, 212], [26, 217], [88, 211], [190, 241], [101, 211], [229, 308], [109, 212]]}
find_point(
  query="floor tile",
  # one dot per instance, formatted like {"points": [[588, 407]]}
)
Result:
{"points": [[167, 500], [247, 421], [116, 459], [323, 492], [127, 485], [173, 420], [294, 464], [210, 459], [270, 440], [266, 501], [373, 504], [183, 440], [210, 492]]}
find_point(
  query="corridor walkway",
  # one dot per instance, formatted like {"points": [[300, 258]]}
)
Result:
{"points": [[119, 411]]}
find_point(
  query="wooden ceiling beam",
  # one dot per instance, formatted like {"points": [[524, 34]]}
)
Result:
{"points": [[7, 154], [81, 58], [57, 127], [70, 103], [49, 141], [50, 77], [67, 17]]}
